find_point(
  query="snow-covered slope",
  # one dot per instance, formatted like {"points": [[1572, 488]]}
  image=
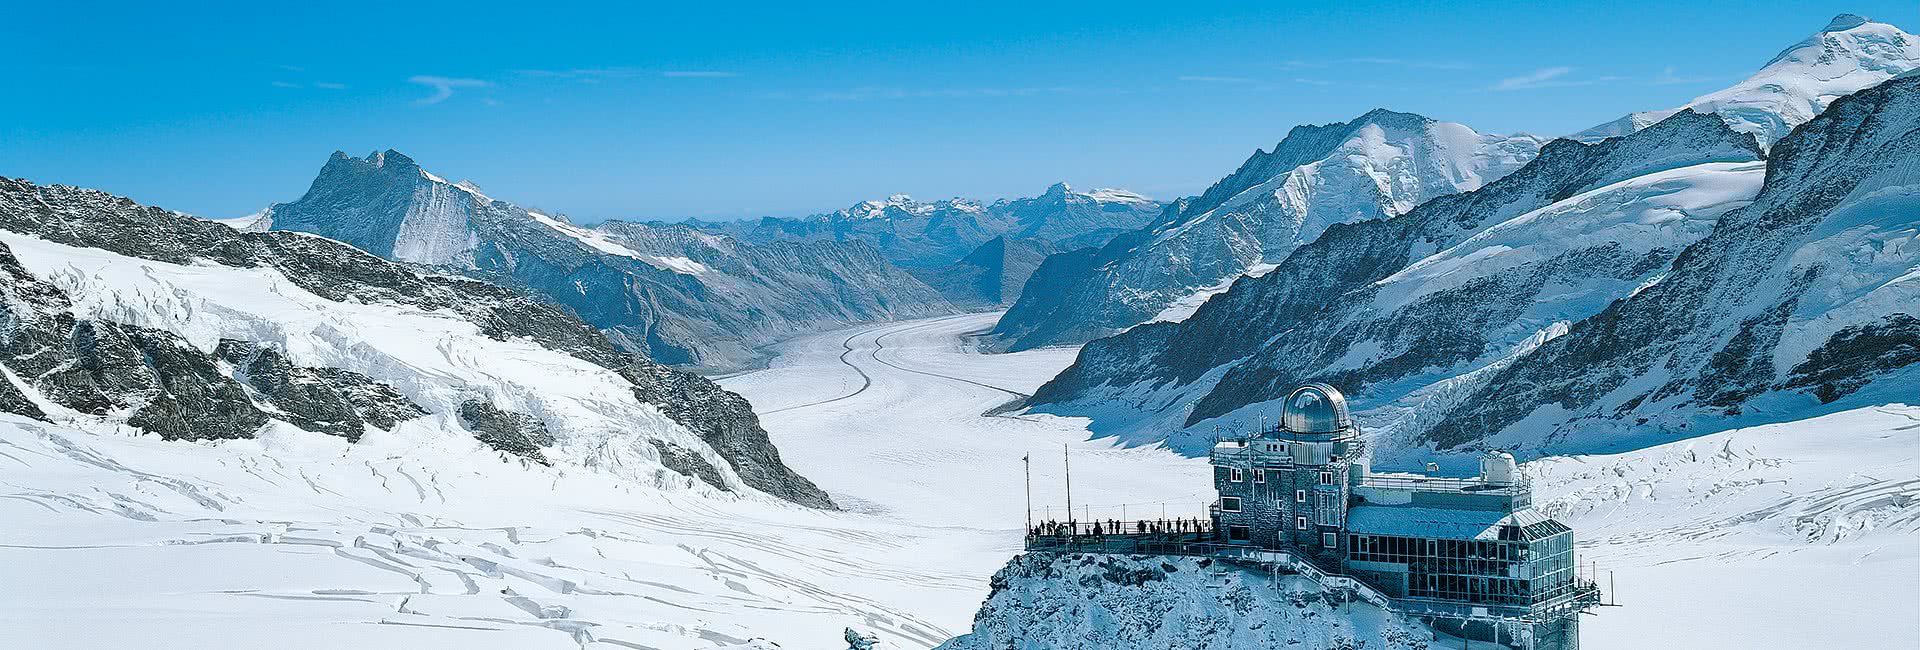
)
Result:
{"points": [[921, 235], [1385, 307], [1042, 601], [1727, 540], [119, 316], [1850, 54], [677, 294], [1380, 164], [1804, 302]]}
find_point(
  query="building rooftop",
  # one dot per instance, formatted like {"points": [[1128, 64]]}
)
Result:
{"points": [[1445, 523]]}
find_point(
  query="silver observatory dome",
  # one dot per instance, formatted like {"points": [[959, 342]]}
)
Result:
{"points": [[1315, 409]]}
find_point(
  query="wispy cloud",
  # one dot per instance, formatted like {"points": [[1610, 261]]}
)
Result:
{"points": [[326, 85], [871, 92], [1671, 76], [1312, 82], [585, 74], [1216, 80], [284, 84], [443, 87], [1542, 78], [698, 73], [1405, 63]]}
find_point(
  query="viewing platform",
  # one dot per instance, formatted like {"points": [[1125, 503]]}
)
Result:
{"points": [[1578, 594]]}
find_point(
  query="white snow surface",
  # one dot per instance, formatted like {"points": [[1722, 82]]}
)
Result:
{"points": [[420, 538], [1851, 54], [1666, 209], [1796, 535]]}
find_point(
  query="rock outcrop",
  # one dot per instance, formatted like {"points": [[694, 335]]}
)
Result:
{"points": [[1096, 602]]}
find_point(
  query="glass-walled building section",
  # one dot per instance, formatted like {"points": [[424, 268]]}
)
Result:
{"points": [[1518, 561]]}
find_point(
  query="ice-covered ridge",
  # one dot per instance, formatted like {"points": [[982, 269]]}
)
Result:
{"points": [[1852, 53], [1666, 209]]}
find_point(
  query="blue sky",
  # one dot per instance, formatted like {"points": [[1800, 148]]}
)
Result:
{"points": [[740, 109]]}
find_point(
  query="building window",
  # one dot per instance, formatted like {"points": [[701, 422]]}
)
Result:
{"points": [[1235, 475], [1229, 504], [1300, 523], [1238, 534], [1326, 508], [1299, 496], [1259, 476], [1326, 478], [1329, 540]]}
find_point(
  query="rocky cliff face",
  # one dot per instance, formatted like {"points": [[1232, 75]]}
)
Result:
{"points": [[126, 314], [1385, 306], [673, 293], [1380, 164], [990, 276], [1802, 302], [919, 235], [1095, 602]]}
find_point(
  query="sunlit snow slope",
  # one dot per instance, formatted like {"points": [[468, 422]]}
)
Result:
{"points": [[1852, 53]]}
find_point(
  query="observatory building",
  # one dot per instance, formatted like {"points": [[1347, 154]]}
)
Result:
{"points": [[1469, 554]]}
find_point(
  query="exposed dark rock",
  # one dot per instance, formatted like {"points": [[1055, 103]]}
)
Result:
{"points": [[326, 400], [1857, 355], [726, 422], [515, 433], [691, 464]]}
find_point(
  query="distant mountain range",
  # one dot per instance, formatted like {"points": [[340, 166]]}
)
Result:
{"points": [[1678, 278], [920, 235], [675, 293]]}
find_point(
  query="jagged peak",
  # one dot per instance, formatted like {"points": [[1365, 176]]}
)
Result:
{"points": [[1058, 189], [1844, 22], [1387, 117]]}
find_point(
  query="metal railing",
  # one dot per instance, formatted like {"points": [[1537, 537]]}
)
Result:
{"points": [[1440, 484]]}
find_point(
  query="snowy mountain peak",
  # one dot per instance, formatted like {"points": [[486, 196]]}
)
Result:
{"points": [[1058, 189], [1390, 118], [1844, 22], [1851, 54]]}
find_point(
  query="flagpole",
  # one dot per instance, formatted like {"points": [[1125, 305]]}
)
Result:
{"points": [[1068, 460], [1028, 461]]}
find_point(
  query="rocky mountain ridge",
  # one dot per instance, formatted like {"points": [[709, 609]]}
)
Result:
{"points": [[1340, 308], [671, 292], [1380, 164], [922, 235], [122, 314]]}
